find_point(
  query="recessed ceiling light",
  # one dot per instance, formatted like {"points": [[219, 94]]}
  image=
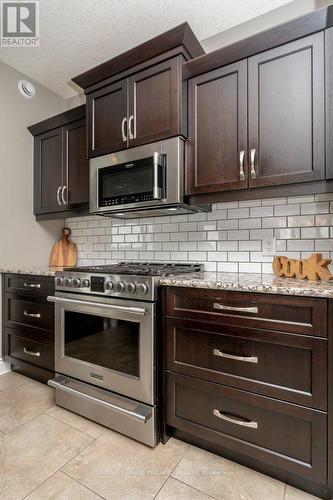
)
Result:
{"points": [[172, 209], [26, 88]]}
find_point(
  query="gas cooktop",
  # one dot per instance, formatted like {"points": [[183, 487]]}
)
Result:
{"points": [[140, 268]]}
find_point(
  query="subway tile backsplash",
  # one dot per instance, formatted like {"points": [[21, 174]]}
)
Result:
{"points": [[229, 239]]}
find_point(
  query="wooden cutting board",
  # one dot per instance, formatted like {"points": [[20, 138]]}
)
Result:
{"points": [[64, 253]]}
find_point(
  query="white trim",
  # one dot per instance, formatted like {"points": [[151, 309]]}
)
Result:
{"points": [[4, 367]]}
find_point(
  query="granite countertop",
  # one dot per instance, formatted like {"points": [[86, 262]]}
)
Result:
{"points": [[32, 270], [242, 282], [259, 283]]}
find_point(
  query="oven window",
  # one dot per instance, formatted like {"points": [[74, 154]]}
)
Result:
{"points": [[105, 342]]}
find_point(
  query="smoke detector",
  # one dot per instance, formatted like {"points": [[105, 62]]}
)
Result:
{"points": [[26, 88]]}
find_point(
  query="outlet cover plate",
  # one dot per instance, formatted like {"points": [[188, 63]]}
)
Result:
{"points": [[269, 246]]}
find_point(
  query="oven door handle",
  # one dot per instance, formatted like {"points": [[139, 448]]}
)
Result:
{"points": [[128, 310], [141, 416]]}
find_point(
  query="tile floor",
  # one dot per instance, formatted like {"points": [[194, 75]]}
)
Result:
{"points": [[47, 452]]}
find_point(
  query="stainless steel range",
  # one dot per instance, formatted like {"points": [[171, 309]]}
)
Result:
{"points": [[105, 352]]}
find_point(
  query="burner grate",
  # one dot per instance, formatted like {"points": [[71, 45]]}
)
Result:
{"points": [[141, 268]]}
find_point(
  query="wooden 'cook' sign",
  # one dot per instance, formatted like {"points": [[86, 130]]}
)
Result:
{"points": [[313, 268]]}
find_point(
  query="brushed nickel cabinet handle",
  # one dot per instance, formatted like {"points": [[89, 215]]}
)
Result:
{"points": [[58, 196], [246, 359], [31, 285], [123, 135], [253, 164], [31, 315], [63, 191], [252, 310], [237, 421], [131, 132], [31, 353], [241, 165]]}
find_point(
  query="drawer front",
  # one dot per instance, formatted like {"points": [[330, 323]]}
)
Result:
{"points": [[285, 435], [303, 315], [283, 366], [32, 285], [36, 353], [21, 311]]}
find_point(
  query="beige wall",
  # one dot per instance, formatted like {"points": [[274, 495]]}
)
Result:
{"points": [[277, 16], [23, 240]]}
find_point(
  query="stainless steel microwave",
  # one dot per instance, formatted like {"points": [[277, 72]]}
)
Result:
{"points": [[139, 182]]}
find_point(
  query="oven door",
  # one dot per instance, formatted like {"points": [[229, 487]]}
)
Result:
{"points": [[106, 342]]}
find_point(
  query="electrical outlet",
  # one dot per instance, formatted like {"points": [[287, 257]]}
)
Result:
{"points": [[269, 246]]}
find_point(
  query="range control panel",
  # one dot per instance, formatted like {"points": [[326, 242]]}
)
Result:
{"points": [[123, 286]]}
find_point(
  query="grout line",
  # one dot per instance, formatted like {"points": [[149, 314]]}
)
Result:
{"points": [[170, 475], [84, 485], [59, 470], [75, 428], [194, 488]]}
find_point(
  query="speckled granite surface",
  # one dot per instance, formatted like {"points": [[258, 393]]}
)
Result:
{"points": [[260, 283], [37, 271]]}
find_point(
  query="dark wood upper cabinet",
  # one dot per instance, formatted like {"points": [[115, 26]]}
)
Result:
{"points": [[217, 139], [61, 168], [76, 165], [48, 171], [155, 102], [286, 113], [143, 108], [139, 96], [107, 119]]}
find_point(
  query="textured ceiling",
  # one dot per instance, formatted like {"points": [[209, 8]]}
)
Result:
{"points": [[76, 35]]}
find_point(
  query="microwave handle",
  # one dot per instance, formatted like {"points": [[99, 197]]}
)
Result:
{"points": [[157, 164]]}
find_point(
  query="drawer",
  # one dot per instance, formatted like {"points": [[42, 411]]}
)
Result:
{"points": [[290, 437], [303, 315], [32, 285], [21, 312], [288, 367], [23, 349]]}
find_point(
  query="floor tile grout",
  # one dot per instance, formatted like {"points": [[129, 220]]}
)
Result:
{"points": [[84, 485], [59, 470], [170, 475], [75, 428]]}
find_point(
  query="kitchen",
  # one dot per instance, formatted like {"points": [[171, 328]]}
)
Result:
{"points": [[158, 356]]}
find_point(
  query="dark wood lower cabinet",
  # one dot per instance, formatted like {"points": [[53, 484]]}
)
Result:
{"points": [[249, 389], [285, 435], [28, 325]]}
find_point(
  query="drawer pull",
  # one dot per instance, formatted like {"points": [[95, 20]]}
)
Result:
{"points": [[236, 420], [247, 359], [31, 315], [253, 310], [32, 285], [31, 353]]}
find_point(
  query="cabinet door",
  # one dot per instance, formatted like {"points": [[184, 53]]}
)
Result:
{"points": [[76, 165], [217, 145], [155, 103], [286, 113], [48, 171], [106, 119]]}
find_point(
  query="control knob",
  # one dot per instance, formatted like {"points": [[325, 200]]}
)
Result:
{"points": [[119, 286], [109, 285], [142, 288], [59, 281], [76, 282], [129, 287], [67, 282], [86, 283]]}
